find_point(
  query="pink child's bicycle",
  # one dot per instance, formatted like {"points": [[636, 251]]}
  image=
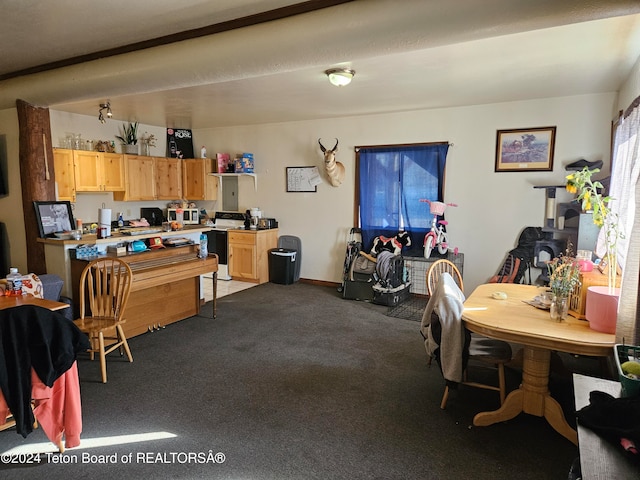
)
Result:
{"points": [[437, 237]]}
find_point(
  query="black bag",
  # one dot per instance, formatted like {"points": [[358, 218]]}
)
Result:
{"points": [[390, 269], [390, 297], [519, 260], [361, 266], [525, 251]]}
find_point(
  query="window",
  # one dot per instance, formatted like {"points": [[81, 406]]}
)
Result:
{"points": [[391, 182]]}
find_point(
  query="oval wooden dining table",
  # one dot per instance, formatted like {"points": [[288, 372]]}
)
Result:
{"points": [[513, 320], [9, 302]]}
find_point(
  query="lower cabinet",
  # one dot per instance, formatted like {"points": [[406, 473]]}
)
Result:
{"points": [[249, 254]]}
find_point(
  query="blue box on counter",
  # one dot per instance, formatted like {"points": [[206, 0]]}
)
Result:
{"points": [[244, 163], [86, 251]]}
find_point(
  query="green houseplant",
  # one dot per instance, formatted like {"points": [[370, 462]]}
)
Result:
{"points": [[601, 302], [589, 193], [129, 137]]}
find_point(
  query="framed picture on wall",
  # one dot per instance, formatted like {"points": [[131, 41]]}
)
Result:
{"points": [[303, 179], [54, 217], [525, 149]]}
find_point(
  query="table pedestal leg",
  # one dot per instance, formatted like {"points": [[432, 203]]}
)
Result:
{"points": [[532, 397]]}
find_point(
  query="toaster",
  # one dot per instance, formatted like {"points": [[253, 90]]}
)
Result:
{"points": [[266, 223]]}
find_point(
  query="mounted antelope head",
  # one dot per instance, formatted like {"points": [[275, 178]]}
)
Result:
{"points": [[335, 170]]}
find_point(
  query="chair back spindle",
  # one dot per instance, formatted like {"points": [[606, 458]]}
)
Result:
{"points": [[436, 270], [108, 283]]}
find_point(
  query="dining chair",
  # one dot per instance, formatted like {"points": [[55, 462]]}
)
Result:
{"points": [[437, 268], [105, 285], [453, 346]]}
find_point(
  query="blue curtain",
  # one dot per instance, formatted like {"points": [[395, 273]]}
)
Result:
{"points": [[393, 180]]}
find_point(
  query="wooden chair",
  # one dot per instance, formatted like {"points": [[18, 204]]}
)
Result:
{"points": [[437, 268], [10, 422], [105, 285], [487, 351]]}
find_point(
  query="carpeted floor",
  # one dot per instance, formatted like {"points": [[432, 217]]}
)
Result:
{"points": [[292, 382]]}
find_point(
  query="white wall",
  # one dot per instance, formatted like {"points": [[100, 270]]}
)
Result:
{"points": [[630, 89], [493, 207], [11, 212]]}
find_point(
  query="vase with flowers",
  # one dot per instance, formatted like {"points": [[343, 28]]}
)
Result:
{"points": [[601, 302], [564, 277], [147, 141]]}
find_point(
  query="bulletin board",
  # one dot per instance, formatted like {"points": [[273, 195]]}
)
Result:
{"points": [[303, 179]]}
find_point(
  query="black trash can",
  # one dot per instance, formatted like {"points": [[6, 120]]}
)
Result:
{"points": [[282, 265]]}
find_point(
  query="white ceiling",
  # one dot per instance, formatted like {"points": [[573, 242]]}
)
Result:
{"points": [[410, 54]]}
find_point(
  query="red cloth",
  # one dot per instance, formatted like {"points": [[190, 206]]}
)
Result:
{"points": [[57, 408]]}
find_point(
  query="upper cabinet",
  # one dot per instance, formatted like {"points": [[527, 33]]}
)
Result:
{"points": [[140, 179], [133, 177], [168, 178], [98, 171], [64, 173], [197, 184], [151, 178]]}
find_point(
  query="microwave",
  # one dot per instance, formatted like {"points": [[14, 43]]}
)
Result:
{"points": [[186, 216]]}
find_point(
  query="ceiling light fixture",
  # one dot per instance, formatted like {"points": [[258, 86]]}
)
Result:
{"points": [[107, 107], [340, 76]]}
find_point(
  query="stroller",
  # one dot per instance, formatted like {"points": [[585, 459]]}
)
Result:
{"points": [[358, 274]]}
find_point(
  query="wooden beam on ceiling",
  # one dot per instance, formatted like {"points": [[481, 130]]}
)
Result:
{"points": [[271, 15]]}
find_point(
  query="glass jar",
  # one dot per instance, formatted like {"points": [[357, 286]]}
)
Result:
{"points": [[559, 309], [77, 142]]}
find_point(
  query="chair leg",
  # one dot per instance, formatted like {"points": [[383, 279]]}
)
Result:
{"points": [[501, 382], [122, 338], [103, 358], [445, 397]]}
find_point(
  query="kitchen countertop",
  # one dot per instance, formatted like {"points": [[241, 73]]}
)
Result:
{"points": [[117, 237]]}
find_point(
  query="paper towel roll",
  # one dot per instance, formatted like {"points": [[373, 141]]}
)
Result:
{"points": [[104, 219]]}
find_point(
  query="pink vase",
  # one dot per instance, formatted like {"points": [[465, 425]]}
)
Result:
{"points": [[602, 308]]}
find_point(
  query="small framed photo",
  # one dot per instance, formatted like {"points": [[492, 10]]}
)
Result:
{"points": [[525, 149], [54, 217]]}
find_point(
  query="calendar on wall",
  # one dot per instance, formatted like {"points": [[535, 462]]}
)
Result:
{"points": [[303, 179]]}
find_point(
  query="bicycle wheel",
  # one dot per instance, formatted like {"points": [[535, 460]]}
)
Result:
{"points": [[443, 246], [428, 245]]}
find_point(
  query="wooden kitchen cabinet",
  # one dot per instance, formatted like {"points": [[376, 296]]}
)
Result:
{"points": [[64, 173], [140, 179], [168, 178], [197, 184], [98, 171], [249, 254]]}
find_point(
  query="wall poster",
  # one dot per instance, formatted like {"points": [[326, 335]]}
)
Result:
{"points": [[179, 143]]}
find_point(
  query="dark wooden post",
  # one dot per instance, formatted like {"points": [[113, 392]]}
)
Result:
{"points": [[36, 173]]}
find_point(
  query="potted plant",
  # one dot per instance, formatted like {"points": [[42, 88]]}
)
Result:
{"points": [[129, 138], [602, 302]]}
